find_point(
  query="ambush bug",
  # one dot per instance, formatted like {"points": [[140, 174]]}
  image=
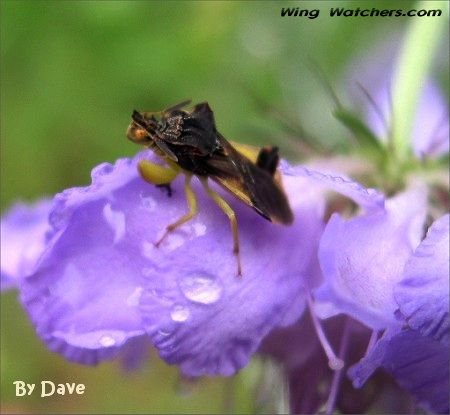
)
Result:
{"points": [[189, 143]]}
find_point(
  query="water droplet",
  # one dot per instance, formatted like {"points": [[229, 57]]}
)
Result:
{"points": [[107, 341], [203, 289], [199, 229], [179, 313]]}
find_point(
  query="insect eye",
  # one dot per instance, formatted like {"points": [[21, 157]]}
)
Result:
{"points": [[137, 134]]}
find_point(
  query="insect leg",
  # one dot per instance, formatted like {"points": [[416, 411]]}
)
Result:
{"points": [[192, 204], [156, 174], [226, 208]]}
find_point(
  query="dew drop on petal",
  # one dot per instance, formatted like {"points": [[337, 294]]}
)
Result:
{"points": [[107, 341], [179, 313], [203, 289], [199, 229]]}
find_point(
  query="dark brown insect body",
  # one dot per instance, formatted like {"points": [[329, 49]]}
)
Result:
{"points": [[190, 143]]}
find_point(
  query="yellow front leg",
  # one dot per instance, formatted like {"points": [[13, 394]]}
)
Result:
{"points": [[157, 174], [192, 205]]}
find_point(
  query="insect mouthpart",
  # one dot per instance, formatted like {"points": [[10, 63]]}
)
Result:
{"points": [[142, 128]]}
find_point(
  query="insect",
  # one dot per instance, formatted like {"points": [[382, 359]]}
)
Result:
{"points": [[189, 143]]}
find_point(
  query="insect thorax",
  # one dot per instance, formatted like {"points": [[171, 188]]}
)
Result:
{"points": [[172, 127]]}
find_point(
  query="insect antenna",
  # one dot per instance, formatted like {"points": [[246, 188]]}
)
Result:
{"points": [[138, 118]]}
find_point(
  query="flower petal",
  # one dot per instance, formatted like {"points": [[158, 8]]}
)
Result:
{"points": [[84, 296], [419, 364], [369, 199], [430, 131], [423, 293], [203, 317], [102, 282], [363, 258], [431, 123], [23, 236]]}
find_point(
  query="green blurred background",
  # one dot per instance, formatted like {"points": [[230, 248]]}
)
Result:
{"points": [[72, 72]]}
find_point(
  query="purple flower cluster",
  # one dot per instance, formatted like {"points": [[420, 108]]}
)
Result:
{"points": [[99, 281], [95, 285], [92, 280]]}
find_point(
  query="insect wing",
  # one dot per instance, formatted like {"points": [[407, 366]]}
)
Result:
{"points": [[267, 195], [268, 159], [178, 106], [249, 183]]}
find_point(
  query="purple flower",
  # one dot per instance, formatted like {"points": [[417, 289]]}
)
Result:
{"points": [[422, 294], [377, 270], [402, 283], [23, 231], [430, 131], [394, 280], [417, 355], [431, 127], [419, 364], [362, 259], [101, 283], [96, 286]]}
